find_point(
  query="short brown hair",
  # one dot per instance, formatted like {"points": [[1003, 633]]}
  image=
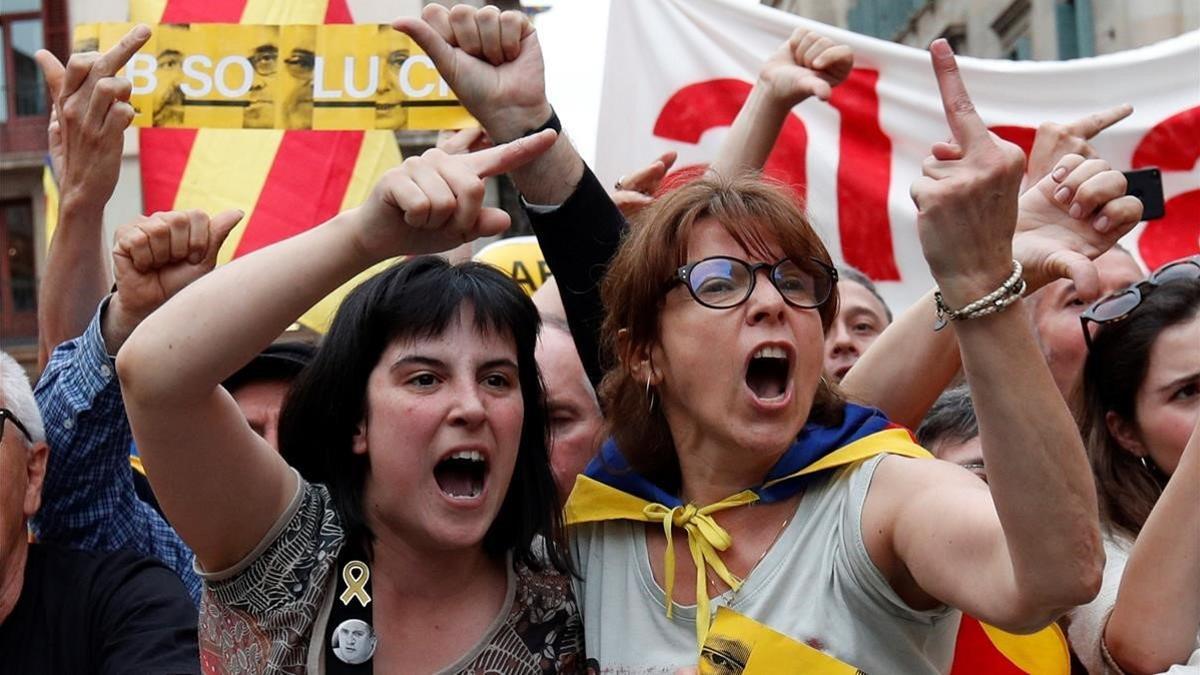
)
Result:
{"points": [[756, 212]]}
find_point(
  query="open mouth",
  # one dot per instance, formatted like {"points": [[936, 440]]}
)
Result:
{"points": [[461, 475], [767, 373]]}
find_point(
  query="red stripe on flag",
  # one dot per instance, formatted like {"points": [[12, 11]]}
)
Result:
{"points": [[975, 653], [305, 186], [338, 12], [206, 11], [864, 175], [164, 157]]}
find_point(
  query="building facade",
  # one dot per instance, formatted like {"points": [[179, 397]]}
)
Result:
{"points": [[1013, 29]]}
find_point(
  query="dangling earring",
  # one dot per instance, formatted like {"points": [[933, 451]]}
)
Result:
{"points": [[1150, 468], [649, 395]]}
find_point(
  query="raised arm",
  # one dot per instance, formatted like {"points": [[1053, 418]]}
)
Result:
{"points": [[1055, 238], [188, 429], [91, 112], [89, 500], [493, 62], [1022, 554], [806, 65], [1153, 625]]}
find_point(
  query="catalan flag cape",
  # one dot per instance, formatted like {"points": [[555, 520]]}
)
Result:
{"points": [[610, 489], [285, 181]]}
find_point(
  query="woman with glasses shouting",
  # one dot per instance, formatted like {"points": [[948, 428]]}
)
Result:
{"points": [[742, 499], [1140, 417]]}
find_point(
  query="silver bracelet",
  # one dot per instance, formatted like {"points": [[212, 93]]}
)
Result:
{"points": [[1008, 293]]}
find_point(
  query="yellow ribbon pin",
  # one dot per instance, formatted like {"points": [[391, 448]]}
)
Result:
{"points": [[355, 574]]}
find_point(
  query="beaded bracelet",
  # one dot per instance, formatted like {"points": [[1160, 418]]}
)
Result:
{"points": [[1008, 293]]}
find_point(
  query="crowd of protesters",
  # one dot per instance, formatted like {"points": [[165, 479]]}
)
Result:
{"points": [[699, 420]]}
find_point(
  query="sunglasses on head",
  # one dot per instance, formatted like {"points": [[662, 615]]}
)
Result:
{"points": [[1119, 305], [722, 282]]}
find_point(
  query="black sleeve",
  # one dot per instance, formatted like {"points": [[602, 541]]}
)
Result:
{"points": [[144, 620], [578, 240]]}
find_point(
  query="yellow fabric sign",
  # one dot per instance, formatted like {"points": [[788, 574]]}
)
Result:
{"points": [[236, 76], [739, 645]]}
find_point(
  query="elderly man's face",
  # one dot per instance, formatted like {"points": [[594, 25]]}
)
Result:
{"points": [[22, 467]]}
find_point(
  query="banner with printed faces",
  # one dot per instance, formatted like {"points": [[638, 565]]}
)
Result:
{"points": [[235, 76], [678, 71]]}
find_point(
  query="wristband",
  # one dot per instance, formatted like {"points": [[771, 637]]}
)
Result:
{"points": [[551, 123], [1009, 292]]}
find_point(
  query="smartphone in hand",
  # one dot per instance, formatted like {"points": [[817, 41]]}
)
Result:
{"points": [[1146, 185]]}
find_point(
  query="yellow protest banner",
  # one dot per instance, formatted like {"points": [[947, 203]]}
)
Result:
{"points": [[237, 76], [737, 644]]}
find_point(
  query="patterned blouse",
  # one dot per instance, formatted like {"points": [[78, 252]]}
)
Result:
{"points": [[269, 613]]}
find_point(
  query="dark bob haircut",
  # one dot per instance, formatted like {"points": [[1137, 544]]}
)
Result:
{"points": [[1113, 373], [415, 299]]}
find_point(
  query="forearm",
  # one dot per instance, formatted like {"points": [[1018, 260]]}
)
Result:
{"points": [[579, 239], [553, 177], [217, 324], [753, 134], [1157, 615], [1038, 472], [87, 478], [550, 178], [77, 274], [907, 367]]}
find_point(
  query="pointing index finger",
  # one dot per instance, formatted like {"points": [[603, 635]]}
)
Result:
{"points": [[116, 57], [964, 121], [509, 156], [1094, 123]]}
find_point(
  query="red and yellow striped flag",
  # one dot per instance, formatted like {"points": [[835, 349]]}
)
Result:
{"points": [[985, 650], [285, 181]]}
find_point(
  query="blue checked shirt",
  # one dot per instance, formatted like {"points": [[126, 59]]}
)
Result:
{"points": [[88, 499]]}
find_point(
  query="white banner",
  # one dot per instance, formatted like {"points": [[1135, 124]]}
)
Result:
{"points": [[677, 72]]}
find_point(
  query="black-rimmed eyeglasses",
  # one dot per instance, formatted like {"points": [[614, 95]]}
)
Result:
{"points": [[8, 415], [721, 282], [1121, 304]]}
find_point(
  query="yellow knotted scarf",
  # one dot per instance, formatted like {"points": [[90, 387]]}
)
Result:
{"points": [[593, 501]]}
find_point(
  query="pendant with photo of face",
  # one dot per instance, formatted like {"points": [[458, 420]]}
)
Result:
{"points": [[353, 641]]}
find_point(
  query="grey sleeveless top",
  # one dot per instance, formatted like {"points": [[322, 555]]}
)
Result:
{"points": [[817, 585]]}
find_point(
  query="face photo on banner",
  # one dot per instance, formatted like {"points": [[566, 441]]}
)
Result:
{"points": [[297, 47], [171, 47], [264, 62], [243, 76], [393, 49]]}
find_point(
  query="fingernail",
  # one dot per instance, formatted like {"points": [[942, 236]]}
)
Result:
{"points": [[1102, 224], [1075, 211], [1059, 173], [1063, 194], [141, 32]]}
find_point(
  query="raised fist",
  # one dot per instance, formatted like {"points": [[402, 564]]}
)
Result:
{"points": [[807, 65], [492, 61]]}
